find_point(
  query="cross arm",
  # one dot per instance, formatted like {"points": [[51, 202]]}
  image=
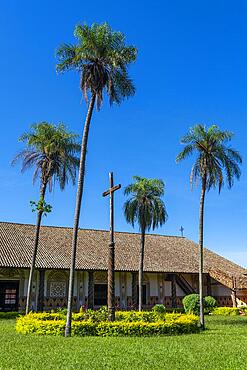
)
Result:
{"points": [[111, 190]]}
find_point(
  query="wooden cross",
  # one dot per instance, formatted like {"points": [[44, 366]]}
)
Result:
{"points": [[182, 231], [111, 251]]}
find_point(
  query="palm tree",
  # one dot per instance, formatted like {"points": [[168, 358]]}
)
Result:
{"points": [[215, 159], [146, 208], [101, 58], [52, 151]]}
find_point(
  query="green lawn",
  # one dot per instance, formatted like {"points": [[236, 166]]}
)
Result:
{"points": [[222, 346]]}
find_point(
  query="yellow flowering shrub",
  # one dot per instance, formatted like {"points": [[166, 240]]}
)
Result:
{"points": [[51, 324], [226, 311]]}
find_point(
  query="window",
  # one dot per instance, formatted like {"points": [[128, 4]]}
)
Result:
{"points": [[57, 289], [100, 294], [10, 296], [144, 294], [57, 284]]}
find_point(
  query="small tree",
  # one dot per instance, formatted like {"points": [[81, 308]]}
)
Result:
{"points": [[146, 208], [52, 151], [214, 161]]}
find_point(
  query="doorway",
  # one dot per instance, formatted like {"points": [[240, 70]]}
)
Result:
{"points": [[100, 294]]}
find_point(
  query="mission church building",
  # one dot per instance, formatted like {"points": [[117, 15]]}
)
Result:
{"points": [[170, 270]]}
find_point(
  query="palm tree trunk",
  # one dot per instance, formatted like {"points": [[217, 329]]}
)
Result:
{"points": [[36, 242], [142, 244], [77, 212], [201, 224]]}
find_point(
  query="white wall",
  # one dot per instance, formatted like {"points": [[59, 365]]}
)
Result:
{"points": [[128, 284], [117, 284], [220, 290], [168, 288], [153, 280]]}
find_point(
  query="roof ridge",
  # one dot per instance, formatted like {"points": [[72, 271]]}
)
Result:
{"points": [[92, 229]]}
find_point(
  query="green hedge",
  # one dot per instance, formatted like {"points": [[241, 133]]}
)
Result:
{"points": [[99, 316], [226, 311], [51, 324], [9, 315], [175, 310]]}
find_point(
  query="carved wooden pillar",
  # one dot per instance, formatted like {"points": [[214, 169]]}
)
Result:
{"points": [[90, 299], [234, 292], [174, 292], [134, 289], [81, 289], [41, 290], [123, 296]]}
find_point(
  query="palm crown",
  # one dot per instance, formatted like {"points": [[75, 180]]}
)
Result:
{"points": [[145, 205], [101, 57], [214, 157], [52, 151]]}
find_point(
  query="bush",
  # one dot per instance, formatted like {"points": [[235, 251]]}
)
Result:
{"points": [[209, 304], [30, 324], [133, 316], [183, 325], [44, 316], [63, 311], [170, 324], [191, 304], [94, 315], [159, 308], [9, 315], [226, 311], [175, 310]]}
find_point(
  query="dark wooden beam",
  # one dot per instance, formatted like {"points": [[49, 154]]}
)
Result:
{"points": [[134, 289], [111, 190], [41, 290], [174, 291], [90, 298], [209, 286]]}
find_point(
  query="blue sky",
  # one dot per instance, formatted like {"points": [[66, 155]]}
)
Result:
{"points": [[191, 68]]}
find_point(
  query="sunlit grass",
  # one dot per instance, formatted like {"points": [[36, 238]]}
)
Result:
{"points": [[222, 346]]}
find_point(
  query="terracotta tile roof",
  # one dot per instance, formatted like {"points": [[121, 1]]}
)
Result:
{"points": [[162, 253]]}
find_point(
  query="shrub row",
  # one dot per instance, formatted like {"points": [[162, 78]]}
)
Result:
{"points": [[100, 315], [9, 315], [157, 312], [172, 324], [232, 311]]}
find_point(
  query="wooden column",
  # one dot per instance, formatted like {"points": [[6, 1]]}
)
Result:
{"points": [[134, 276], [81, 289], [90, 298], [234, 292], [174, 292], [41, 290], [209, 288]]}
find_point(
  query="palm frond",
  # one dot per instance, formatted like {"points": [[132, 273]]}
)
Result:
{"points": [[145, 206], [215, 159], [102, 57], [53, 153]]}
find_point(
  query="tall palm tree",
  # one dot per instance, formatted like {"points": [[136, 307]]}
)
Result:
{"points": [[215, 159], [146, 208], [52, 151], [101, 57]]}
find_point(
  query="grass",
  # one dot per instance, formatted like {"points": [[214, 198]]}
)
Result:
{"points": [[222, 346]]}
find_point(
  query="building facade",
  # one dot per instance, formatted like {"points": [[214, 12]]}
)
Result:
{"points": [[170, 270]]}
